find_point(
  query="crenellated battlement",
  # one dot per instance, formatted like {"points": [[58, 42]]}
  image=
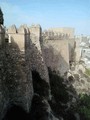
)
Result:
{"points": [[32, 38], [21, 30], [51, 35], [27, 50], [23, 33], [12, 29]]}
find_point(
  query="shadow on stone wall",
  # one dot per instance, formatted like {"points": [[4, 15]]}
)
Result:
{"points": [[72, 54], [62, 96], [38, 62], [16, 88], [61, 104], [40, 86], [54, 60], [16, 113]]}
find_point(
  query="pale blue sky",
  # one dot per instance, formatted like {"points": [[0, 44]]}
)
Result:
{"points": [[48, 13]]}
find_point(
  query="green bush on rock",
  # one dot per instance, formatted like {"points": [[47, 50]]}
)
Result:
{"points": [[84, 106]]}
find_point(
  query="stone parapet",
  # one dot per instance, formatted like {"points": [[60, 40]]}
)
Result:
{"points": [[12, 29]]}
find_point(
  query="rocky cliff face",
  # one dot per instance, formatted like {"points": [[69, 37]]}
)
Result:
{"points": [[25, 95], [31, 91], [16, 85], [16, 81]]}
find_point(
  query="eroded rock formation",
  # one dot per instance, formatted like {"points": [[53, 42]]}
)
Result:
{"points": [[30, 84]]}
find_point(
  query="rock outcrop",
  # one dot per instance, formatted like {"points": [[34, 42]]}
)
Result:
{"points": [[31, 87], [15, 78]]}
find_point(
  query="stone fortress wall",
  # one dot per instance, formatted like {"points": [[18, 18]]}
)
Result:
{"points": [[41, 56], [57, 55], [24, 47], [59, 45], [29, 51], [20, 54], [64, 30], [78, 49], [19, 89], [25, 52], [37, 58], [21, 37], [17, 36]]}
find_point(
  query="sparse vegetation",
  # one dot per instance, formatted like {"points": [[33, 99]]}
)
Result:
{"points": [[84, 106], [58, 89], [87, 72], [60, 97]]}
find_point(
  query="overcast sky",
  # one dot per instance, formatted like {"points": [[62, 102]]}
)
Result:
{"points": [[48, 13]]}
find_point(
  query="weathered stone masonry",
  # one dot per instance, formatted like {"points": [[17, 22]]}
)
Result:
{"points": [[34, 37], [16, 81], [21, 55], [24, 53]]}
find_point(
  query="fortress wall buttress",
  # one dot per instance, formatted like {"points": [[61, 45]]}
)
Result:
{"points": [[19, 38], [37, 59], [56, 53], [35, 32], [71, 43], [78, 50]]}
